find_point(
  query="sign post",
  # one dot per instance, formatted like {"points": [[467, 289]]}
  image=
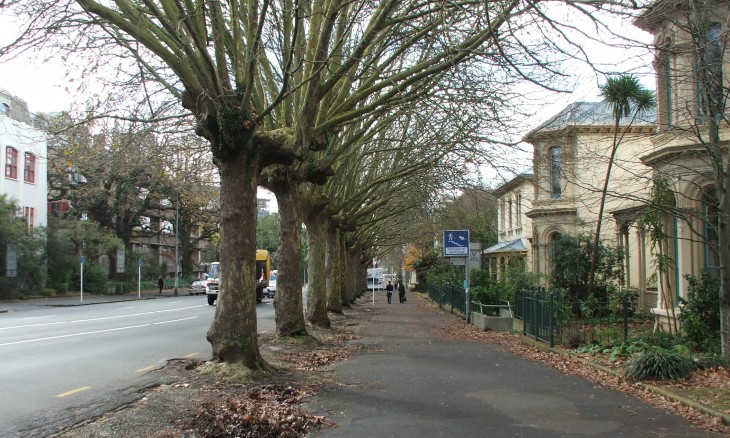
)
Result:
{"points": [[456, 244], [139, 278], [82, 260]]}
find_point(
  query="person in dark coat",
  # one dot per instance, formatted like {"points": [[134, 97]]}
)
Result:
{"points": [[401, 292], [389, 291], [161, 284]]}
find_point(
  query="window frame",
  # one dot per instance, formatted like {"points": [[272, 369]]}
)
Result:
{"points": [[556, 171], [11, 162], [29, 171]]}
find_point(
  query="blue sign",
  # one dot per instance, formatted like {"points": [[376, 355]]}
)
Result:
{"points": [[139, 262], [83, 259], [456, 243]]}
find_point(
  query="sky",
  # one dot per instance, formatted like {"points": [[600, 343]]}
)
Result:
{"points": [[44, 85]]}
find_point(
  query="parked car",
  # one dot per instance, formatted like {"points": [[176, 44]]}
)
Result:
{"points": [[271, 288], [198, 287]]}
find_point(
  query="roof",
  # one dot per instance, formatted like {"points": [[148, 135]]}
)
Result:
{"points": [[590, 114], [507, 246], [514, 182]]}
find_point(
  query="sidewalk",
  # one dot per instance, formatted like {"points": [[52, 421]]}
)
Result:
{"points": [[409, 382]]}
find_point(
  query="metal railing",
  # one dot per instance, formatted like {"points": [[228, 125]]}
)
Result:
{"points": [[448, 296], [549, 317]]}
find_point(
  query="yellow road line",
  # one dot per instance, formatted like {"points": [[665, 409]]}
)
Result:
{"points": [[73, 391], [145, 369]]}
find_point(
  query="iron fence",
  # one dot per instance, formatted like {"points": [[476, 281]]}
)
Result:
{"points": [[549, 317], [448, 296]]}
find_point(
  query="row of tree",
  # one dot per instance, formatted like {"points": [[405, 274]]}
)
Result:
{"points": [[357, 115]]}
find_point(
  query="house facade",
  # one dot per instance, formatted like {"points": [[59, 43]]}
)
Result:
{"points": [[514, 198], [24, 153], [692, 66], [571, 156]]}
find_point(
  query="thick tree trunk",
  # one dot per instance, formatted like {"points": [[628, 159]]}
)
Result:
{"points": [[333, 270], [233, 333], [316, 290], [288, 303], [723, 193], [346, 277]]}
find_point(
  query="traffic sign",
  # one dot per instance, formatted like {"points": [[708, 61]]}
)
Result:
{"points": [[83, 259], [456, 243]]}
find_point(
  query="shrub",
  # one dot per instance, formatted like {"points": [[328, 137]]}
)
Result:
{"points": [[700, 314], [95, 279], [659, 364], [705, 362]]}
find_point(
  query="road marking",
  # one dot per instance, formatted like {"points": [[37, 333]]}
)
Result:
{"points": [[174, 320], [27, 341], [37, 317], [73, 391], [76, 321], [145, 369], [126, 308], [188, 356]]}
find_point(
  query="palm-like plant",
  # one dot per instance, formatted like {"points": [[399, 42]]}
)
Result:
{"points": [[627, 98]]}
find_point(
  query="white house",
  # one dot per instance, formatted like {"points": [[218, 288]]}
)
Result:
{"points": [[24, 154]]}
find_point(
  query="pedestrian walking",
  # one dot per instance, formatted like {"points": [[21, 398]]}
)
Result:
{"points": [[161, 284], [389, 291], [401, 292]]}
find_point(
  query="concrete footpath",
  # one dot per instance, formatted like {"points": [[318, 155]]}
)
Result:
{"points": [[412, 383]]}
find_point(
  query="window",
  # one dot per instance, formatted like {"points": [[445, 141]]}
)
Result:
{"points": [[509, 208], [501, 215], [518, 210], [556, 173], [29, 214], [710, 101], [11, 162], [665, 86], [29, 174]]}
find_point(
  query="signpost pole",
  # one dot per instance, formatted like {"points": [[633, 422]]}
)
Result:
{"points": [[139, 278], [82, 278], [466, 289]]}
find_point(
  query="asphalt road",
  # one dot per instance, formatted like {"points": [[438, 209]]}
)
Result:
{"points": [[60, 365]]}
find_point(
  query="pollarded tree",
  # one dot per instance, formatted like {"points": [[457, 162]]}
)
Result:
{"points": [[270, 82]]}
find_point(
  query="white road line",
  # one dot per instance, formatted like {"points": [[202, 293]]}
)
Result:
{"points": [[38, 317], [27, 341], [174, 320], [76, 321], [70, 335]]}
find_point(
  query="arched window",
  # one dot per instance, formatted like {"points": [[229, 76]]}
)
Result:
{"points": [[11, 162], [666, 93], [710, 223], [29, 173], [556, 172], [710, 93]]}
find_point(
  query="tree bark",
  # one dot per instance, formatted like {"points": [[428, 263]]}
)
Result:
{"points": [[316, 291], [333, 270], [288, 303], [233, 333], [723, 195]]}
